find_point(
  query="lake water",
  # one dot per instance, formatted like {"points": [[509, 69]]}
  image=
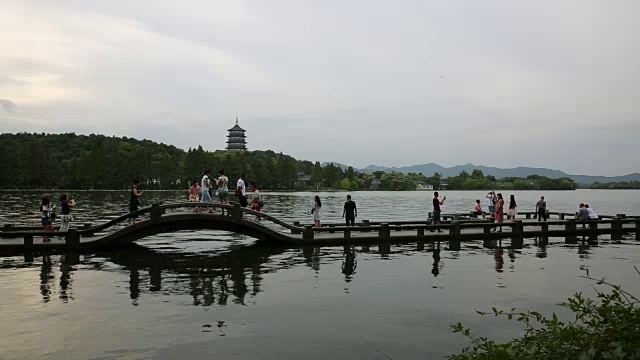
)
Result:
{"points": [[204, 294]]}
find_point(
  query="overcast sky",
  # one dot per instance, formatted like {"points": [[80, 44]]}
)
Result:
{"points": [[501, 83]]}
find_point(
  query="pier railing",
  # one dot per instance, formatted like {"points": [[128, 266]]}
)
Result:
{"points": [[456, 226]]}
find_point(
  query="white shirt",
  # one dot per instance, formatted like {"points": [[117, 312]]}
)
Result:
{"points": [[205, 183], [242, 187], [225, 182], [592, 214], [256, 197]]}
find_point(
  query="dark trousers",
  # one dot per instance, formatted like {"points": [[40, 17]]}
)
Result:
{"points": [[351, 221], [542, 216]]}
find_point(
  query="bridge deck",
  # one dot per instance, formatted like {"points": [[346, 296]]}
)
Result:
{"points": [[114, 233]]}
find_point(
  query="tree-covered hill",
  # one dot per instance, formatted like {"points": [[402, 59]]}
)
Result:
{"points": [[101, 162]]}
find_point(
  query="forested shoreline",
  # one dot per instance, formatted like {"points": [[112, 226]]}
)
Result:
{"points": [[98, 162]]}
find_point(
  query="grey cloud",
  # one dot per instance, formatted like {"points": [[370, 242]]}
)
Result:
{"points": [[8, 105], [354, 82]]}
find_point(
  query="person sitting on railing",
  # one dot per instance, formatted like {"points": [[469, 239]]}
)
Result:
{"points": [[257, 202], [583, 214], [194, 192], [477, 210], [592, 213]]}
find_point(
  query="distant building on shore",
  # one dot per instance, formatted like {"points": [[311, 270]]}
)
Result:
{"points": [[236, 140], [421, 185]]}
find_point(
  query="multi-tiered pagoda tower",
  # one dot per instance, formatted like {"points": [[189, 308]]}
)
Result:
{"points": [[236, 139]]}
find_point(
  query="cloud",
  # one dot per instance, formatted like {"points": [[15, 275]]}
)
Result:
{"points": [[8, 106], [357, 82]]}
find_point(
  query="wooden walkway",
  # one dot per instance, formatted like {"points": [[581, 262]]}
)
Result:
{"points": [[456, 228]]}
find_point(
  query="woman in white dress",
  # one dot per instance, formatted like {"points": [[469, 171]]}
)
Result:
{"points": [[315, 210]]}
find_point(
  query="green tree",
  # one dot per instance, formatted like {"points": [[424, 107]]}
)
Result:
{"points": [[345, 184]]}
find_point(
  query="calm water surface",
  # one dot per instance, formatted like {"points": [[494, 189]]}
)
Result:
{"points": [[203, 293]]}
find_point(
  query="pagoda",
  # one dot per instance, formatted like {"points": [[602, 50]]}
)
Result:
{"points": [[236, 139]]}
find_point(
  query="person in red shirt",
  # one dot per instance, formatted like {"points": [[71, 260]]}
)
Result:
{"points": [[499, 212], [436, 209]]}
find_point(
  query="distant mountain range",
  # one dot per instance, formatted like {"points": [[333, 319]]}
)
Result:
{"points": [[431, 168]]}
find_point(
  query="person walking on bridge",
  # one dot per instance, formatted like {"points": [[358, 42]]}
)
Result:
{"points": [[513, 208], [499, 211], [436, 209], [241, 190], [66, 204], [492, 199], [315, 210], [223, 188], [205, 185], [541, 209], [350, 211], [134, 202]]}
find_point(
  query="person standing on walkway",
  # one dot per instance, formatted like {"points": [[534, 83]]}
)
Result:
{"points": [[134, 202], [65, 205], [205, 185], [350, 211], [315, 210], [541, 209], [499, 211], [436, 209], [223, 188], [513, 208], [45, 217], [241, 190], [492, 200]]}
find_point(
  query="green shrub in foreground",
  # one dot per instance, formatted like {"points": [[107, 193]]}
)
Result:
{"points": [[606, 328]]}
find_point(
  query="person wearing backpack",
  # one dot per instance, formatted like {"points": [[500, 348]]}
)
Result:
{"points": [[257, 202]]}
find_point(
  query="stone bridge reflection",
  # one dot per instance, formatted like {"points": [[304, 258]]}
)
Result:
{"points": [[237, 274]]}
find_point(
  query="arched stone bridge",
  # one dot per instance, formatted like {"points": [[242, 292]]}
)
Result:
{"points": [[235, 219]]}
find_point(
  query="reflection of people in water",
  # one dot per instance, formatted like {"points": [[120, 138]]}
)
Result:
{"points": [[211, 279], [349, 263], [435, 270], [497, 256], [45, 278], [65, 278]]}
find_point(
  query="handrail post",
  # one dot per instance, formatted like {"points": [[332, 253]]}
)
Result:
{"points": [[236, 212], [455, 229], [527, 215], [561, 216], [28, 239], [296, 224], [616, 227], [7, 227], [517, 240], [155, 212], [384, 231], [637, 224], [366, 223], [72, 238], [593, 232], [308, 232], [570, 228], [420, 232], [347, 234]]}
